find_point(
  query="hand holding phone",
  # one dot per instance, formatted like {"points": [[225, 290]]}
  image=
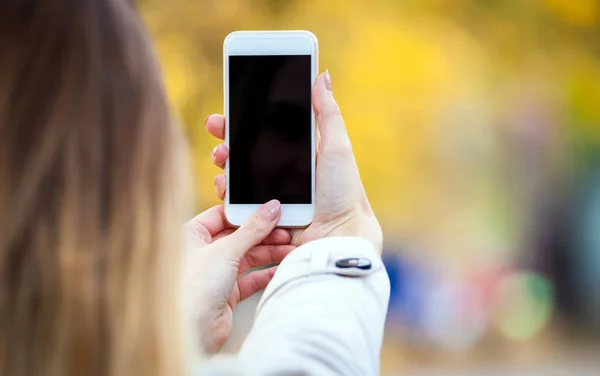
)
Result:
{"points": [[341, 204]]}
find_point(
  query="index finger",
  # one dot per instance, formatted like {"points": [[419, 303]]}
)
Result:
{"points": [[215, 125]]}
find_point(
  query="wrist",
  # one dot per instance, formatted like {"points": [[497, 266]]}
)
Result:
{"points": [[358, 224]]}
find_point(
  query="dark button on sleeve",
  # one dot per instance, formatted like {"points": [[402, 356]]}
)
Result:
{"points": [[356, 262]]}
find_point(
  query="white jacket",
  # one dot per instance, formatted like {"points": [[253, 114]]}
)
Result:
{"points": [[316, 318]]}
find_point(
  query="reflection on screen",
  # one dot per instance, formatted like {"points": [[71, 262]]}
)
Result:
{"points": [[270, 129]]}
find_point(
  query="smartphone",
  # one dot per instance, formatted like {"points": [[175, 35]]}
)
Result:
{"points": [[270, 124]]}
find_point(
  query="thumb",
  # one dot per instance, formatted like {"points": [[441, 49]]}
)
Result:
{"points": [[329, 118], [252, 232]]}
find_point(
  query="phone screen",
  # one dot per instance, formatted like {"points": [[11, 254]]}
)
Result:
{"points": [[270, 129]]}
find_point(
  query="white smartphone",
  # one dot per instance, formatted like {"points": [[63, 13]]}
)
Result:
{"points": [[270, 124]]}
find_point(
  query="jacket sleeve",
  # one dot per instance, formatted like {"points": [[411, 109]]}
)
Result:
{"points": [[321, 314]]}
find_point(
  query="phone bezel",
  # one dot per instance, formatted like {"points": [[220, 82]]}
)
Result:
{"points": [[249, 43]]}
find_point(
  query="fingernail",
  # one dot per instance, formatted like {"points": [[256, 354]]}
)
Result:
{"points": [[327, 80], [270, 210], [214, 152]]}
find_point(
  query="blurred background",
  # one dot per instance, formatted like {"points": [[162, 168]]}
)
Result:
{"points": [[476, 127]]}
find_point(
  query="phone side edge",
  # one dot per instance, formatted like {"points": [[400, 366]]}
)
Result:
{"points": [[226, 205]]}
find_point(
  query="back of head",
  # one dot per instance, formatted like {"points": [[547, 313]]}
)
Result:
{"points": [[88, 215]]}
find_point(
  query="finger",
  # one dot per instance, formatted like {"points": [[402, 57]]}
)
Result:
{"points": [[254, 231], [296, 235], [224, 233], [334, 137], [215, 125], [219, 155], [263, 255], [212, 219], [318, 144], [251, 283], [278, 236], [220, 185]]}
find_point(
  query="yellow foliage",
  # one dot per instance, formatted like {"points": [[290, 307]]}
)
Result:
{"points": [[429, 99], [577, 12]]}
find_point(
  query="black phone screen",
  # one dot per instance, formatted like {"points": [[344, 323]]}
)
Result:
{"points": [[270, 129]]}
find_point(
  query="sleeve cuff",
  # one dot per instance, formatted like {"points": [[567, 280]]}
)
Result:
{"points": [[345, 256]]}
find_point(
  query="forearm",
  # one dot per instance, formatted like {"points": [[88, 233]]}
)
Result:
{"points": [[319, 319]]}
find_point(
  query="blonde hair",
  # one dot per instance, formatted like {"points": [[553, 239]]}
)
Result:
{"points": [[89, 221]]}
